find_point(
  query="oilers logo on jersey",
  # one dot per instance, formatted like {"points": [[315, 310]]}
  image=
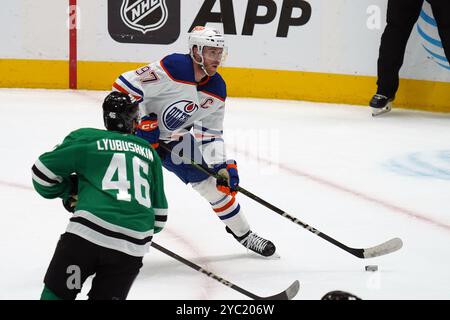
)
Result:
{"points": [[177, 114]]}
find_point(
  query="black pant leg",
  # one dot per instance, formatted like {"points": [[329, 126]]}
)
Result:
{"points": [[401, 17], [441, 12], [72, 263], [115, 275]]}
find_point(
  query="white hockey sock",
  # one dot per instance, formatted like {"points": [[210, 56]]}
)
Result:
{"points": [[226, 207], [229, 211]]}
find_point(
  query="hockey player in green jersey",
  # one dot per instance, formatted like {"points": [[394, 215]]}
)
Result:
{"points": [[112, 181]]}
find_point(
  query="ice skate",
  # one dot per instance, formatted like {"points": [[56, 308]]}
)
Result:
{"points": [[255, 243], [380, 104]]}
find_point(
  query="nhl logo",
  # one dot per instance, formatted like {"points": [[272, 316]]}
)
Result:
{"points": [[144, 21], [144, 15]]}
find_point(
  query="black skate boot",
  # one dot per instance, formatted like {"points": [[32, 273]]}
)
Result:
{"points": [[380, 104], [255, 243]]}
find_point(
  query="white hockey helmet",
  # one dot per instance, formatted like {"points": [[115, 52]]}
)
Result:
{"points": [[206, 37]]}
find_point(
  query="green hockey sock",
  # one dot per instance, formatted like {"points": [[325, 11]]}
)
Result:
{"points": [[48, 294]]}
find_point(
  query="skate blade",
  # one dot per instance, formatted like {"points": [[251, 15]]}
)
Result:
{"points": [[379, 111], [274, 256]]}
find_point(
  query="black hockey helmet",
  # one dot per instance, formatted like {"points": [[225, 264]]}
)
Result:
{"points": [[339, 295], [120, 112]]}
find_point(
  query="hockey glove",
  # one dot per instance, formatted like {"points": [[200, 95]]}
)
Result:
{"points": [[71, 202], [228, 181], [148, 129]]}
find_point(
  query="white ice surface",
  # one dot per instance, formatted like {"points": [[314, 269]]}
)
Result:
{"points": [[359, 179]]}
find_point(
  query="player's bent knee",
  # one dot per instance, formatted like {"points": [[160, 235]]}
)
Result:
{"points": [[207, 189]]}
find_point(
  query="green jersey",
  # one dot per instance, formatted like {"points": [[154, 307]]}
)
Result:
{"points": [[121, 200]]}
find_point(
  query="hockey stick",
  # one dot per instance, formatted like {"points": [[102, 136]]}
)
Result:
{"points": [[287, 294], [384, 248]]}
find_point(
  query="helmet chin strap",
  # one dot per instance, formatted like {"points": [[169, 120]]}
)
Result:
{"points": [[201, 64], [204, 70]]}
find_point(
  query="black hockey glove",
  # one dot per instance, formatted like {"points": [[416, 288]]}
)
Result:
{"points": [[71, 202]]}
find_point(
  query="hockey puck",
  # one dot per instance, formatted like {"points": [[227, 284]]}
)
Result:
{"points": [[372, 268]]}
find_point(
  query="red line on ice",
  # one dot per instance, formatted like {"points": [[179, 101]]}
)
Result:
{"points": [[333, 185], [189, 244]]}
